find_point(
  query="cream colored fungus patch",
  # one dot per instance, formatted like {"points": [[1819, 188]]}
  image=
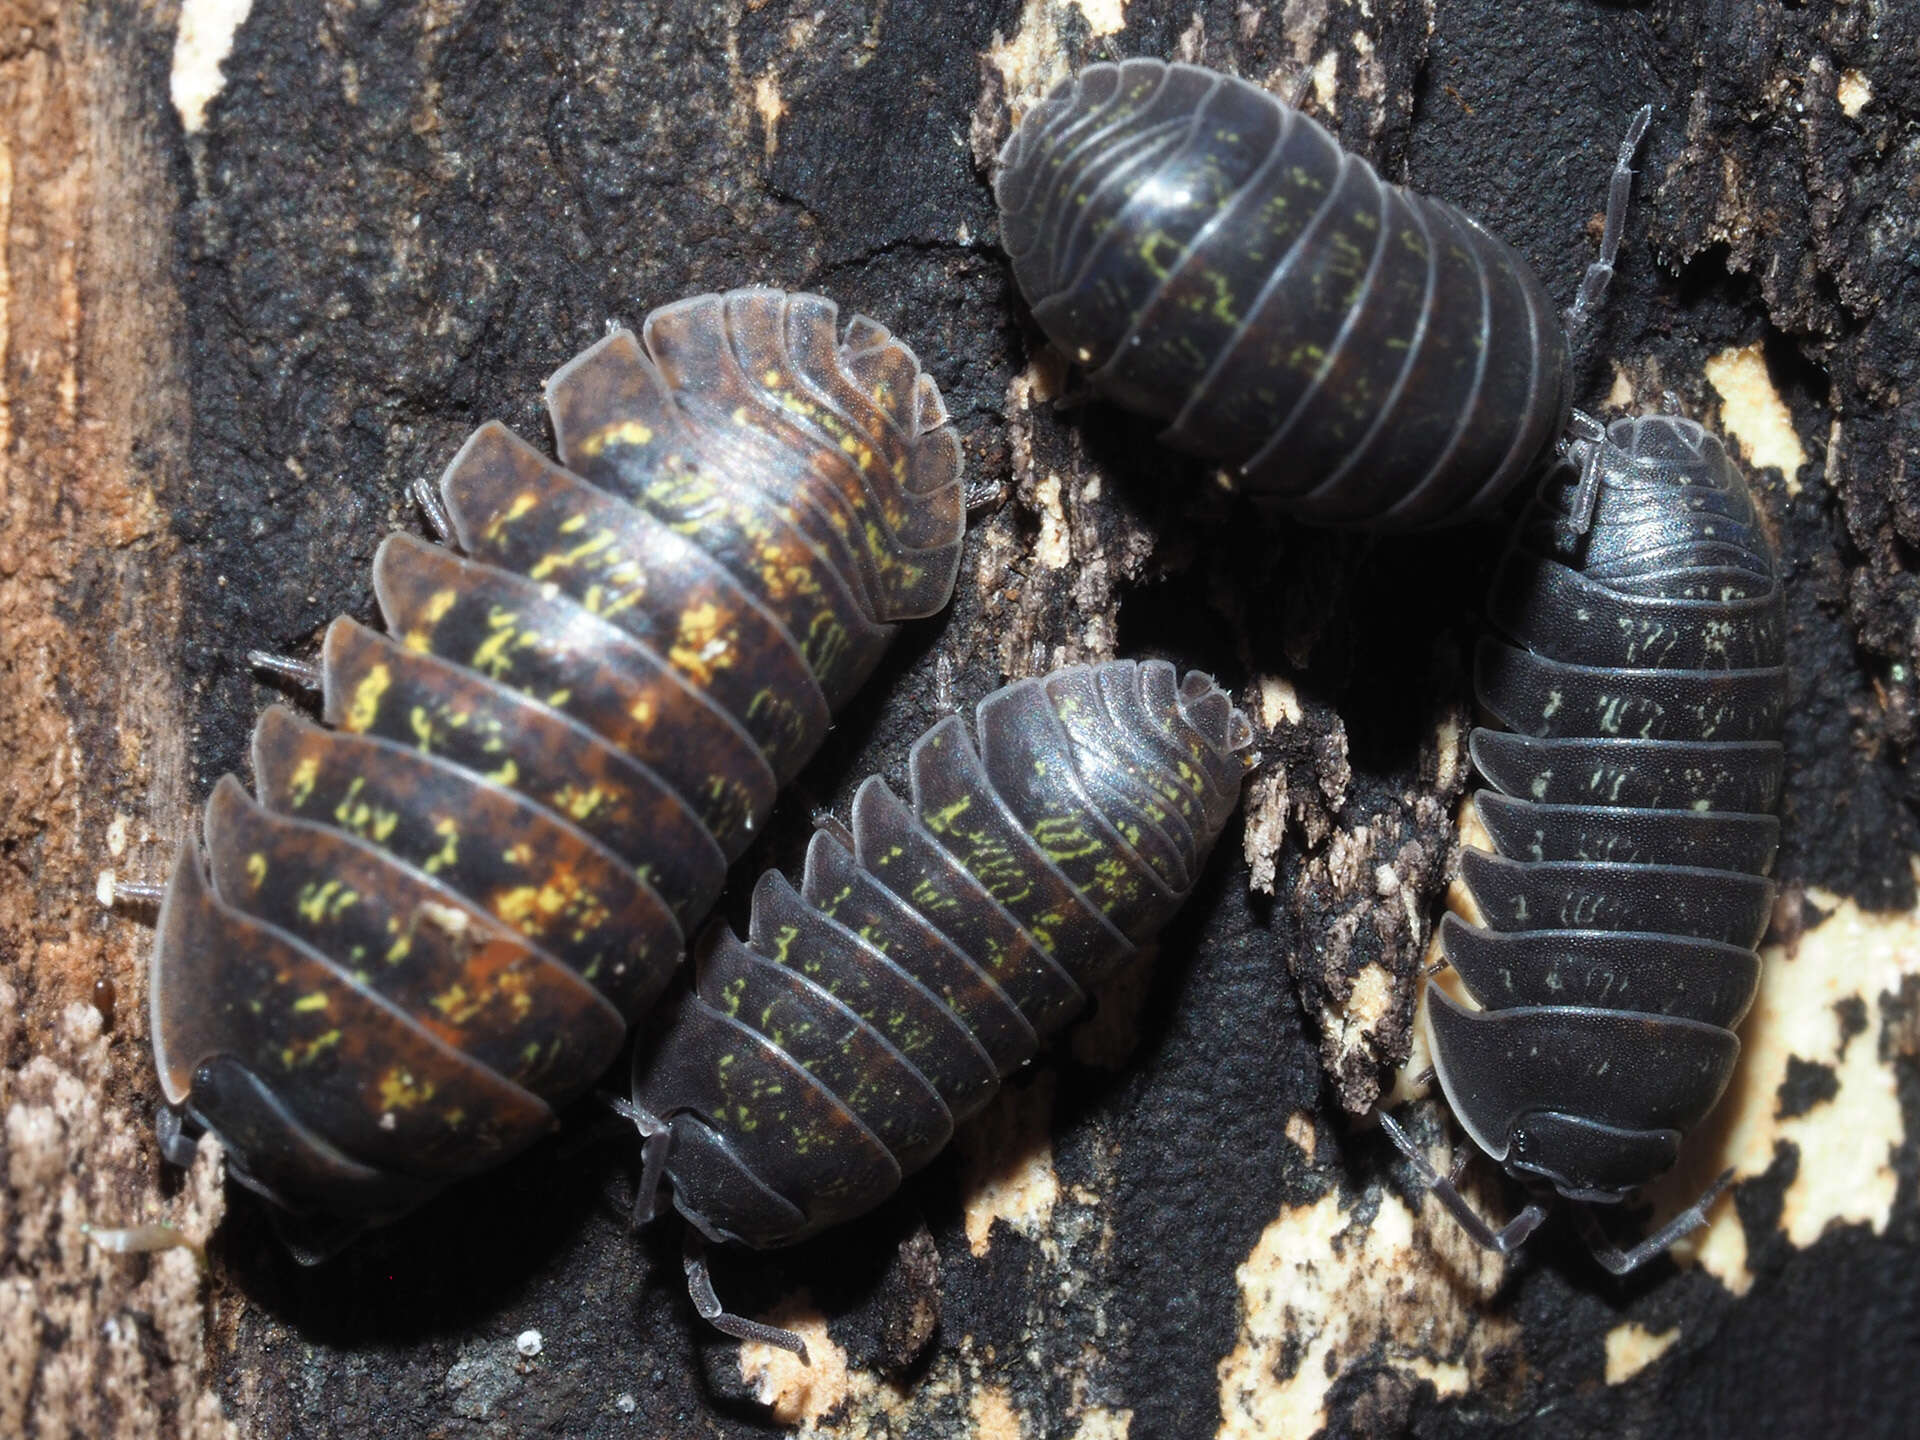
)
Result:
{"points": [[1034, 59], [201, 45], [1754, 415], [1632, 1348], [1006, 1157], [1852, 960], [1323, 1290], [1103, 17]]}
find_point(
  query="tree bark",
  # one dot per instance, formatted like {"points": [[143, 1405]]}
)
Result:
{"points": [[245, 302]]}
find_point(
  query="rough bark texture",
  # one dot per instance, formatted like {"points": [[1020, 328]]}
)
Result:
{"points": [[227, 344]]}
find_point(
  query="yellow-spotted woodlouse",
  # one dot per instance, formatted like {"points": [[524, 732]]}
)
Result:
{"points": [[1354, 353], [931, 947], [436, 921]]}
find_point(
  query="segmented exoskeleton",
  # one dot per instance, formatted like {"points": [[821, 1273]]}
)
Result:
{"points": [[1356, 353], [930, 949], [1641, 683], [436, 922]]}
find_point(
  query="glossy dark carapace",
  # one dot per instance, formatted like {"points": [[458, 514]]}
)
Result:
{"points": [[436, 921], [931, 947], [1641, 682], [1352, 352]]}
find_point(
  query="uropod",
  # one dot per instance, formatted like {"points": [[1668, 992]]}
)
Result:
{"points": [[1640, 680], [435, 922], [933, 944], [1354, 353]]}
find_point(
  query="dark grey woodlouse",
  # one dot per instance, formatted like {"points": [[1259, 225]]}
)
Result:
{"points": [[436, 922], [930, 949], [1356, 353], [1642, 684]]}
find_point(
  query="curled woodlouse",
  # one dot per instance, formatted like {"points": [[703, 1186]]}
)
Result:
{"points": [[1356, 353], [931, 947], [1641, 681], [436, 921]]}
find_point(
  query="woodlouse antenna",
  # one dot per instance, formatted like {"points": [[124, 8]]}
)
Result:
{"points": [[700, 1291], [1616, 1261], [1593, 285]]}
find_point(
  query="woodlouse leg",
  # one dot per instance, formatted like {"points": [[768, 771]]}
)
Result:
{"points": [[131, 892], [176, 1144], [825, 819], [700, 1290], [1593, 285], [1505, 1240], [301, 672], [985, 495], [434, 508], [1624, 1262]]}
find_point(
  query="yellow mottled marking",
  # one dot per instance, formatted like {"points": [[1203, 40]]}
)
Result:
{"points": [[627, 432], [448, 829], [437, 606], [304, 1052], [300, 784], [315, 1001], [400, 1091], [364, 706]]}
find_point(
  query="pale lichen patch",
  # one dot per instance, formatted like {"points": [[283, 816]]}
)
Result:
{"points": [[1099, 1423], [1853, 92], [994, 1417], [796, 1392], [1753, 414], [1033, 60], [1632, 1348], [1055, 549], [1103, 17], [1321, 1291], [1006, 1155], [768, 105], [201, 45], [1846, 1142]]}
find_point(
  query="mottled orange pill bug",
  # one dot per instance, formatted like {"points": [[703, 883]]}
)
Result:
{"points": [[434, 920], [930, 949]]}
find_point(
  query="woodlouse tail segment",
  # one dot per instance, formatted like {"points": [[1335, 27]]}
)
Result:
{"points": [[707, 1303], [1616, 1261], [1504, 1240], [1599, 275]]}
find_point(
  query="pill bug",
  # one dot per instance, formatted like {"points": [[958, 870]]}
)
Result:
{"points": [[1356, 353], [931, 947], [435, 922], [1641, 683]]}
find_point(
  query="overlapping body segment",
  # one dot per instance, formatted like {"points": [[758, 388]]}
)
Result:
{"points": [[1354, 352], [934, 945], [449, 905], [1643, 665]]}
